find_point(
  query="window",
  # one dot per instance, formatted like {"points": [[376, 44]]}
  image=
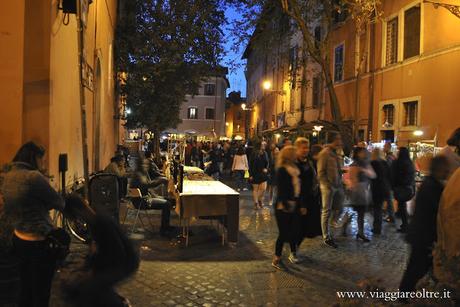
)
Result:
{"points": [[316, 89], [361, 135], [317, 37], [238, 115], [209, 89], [388, 115], [209, 113], [293, 65], [410, 113], [340, 14], [392, 41], [192, 113], [412, 32], [338, 63]]}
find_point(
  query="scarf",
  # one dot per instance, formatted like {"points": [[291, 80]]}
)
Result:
{"points": [[294, 172]]}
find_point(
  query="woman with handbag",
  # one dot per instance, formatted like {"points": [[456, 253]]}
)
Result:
{"points": [[403, 183], [239, 168], [361, 173], [28, 199], [287, 204], [258, 176]]}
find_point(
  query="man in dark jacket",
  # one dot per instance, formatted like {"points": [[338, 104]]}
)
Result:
{"points": [[422, 230]]}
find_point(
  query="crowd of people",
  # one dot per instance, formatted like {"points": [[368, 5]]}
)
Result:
{"points": [[307, 187]]}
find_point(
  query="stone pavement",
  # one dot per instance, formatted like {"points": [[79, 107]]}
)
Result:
{"points": [[207, 273]]}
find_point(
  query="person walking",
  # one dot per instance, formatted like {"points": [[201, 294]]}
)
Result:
{"points": [[403, 183], [272, 154], [389, 158], [287, 200], [422, 229], [452, 151], [360, 175], [239, 167], [28, 198], [380, 188], [331, 185], [258, 176], [309, 205]]}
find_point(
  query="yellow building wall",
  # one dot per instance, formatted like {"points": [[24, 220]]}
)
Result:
{"points": [[11, 77], [39, 79]]}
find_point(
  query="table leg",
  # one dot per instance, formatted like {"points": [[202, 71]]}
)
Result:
{"points": [[233, 218]]}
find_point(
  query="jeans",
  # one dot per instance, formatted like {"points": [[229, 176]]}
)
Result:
{"points": [[165, 207], [390, 210], [377, 225], [360, 210], [239, 176], [287, 228], [36, 272], [332, 203], [402, 209], [420, 262]]}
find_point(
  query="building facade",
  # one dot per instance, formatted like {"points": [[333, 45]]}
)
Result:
{"points": [[203, 114], [284, 87], [395, 80], [408, 81], [236, 117], [39, 78]]}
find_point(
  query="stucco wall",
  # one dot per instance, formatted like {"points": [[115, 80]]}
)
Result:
{"points": [[11, 77]]}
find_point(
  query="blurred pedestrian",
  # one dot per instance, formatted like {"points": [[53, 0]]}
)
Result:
{"points": [[28, 199], [403, 183], [422, 230], [380, 187], [331, 185], [309, 206], [289, 188], [452, 151], [258, 176], [112, 259], [389, 158], [361, 173], [272, 153], [239, 167], [446, 262]]}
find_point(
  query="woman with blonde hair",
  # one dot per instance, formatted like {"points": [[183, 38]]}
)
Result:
{"points": [[287, 199]]}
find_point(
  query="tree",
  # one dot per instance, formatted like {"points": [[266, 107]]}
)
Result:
{"points": [[306, 14], [166, 48]]}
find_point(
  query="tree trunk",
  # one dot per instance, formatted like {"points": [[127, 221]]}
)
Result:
{"points": [[335, 107]]}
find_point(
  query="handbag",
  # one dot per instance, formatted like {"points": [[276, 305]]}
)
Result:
{"points": [[58, 244], [404, 193], [246, 174], [360, 194]]}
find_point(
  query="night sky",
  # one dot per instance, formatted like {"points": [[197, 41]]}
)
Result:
{"points": [[236, 72]]}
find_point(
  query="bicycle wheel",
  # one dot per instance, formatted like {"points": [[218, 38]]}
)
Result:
{"points": [[78, 228]]}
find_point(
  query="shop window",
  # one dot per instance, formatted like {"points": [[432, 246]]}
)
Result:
{"points": [[412, 32], [192, 113], [392, 41], [411, 113], [338, 63], [209, 113]]}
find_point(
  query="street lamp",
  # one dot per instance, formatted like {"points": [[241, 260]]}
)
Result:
{"points": [[267, 85], [243, 106]]}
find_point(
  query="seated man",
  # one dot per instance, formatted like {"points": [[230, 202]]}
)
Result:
{"points": [[141, 180], [117, 168]]}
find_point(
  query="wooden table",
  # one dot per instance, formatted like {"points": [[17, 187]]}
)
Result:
{"points": [[209, 199]]}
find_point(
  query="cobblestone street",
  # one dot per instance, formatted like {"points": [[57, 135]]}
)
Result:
{"points": [[206, 273]]}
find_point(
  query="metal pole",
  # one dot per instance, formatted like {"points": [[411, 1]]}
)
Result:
{"points": [[84, 129]]}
